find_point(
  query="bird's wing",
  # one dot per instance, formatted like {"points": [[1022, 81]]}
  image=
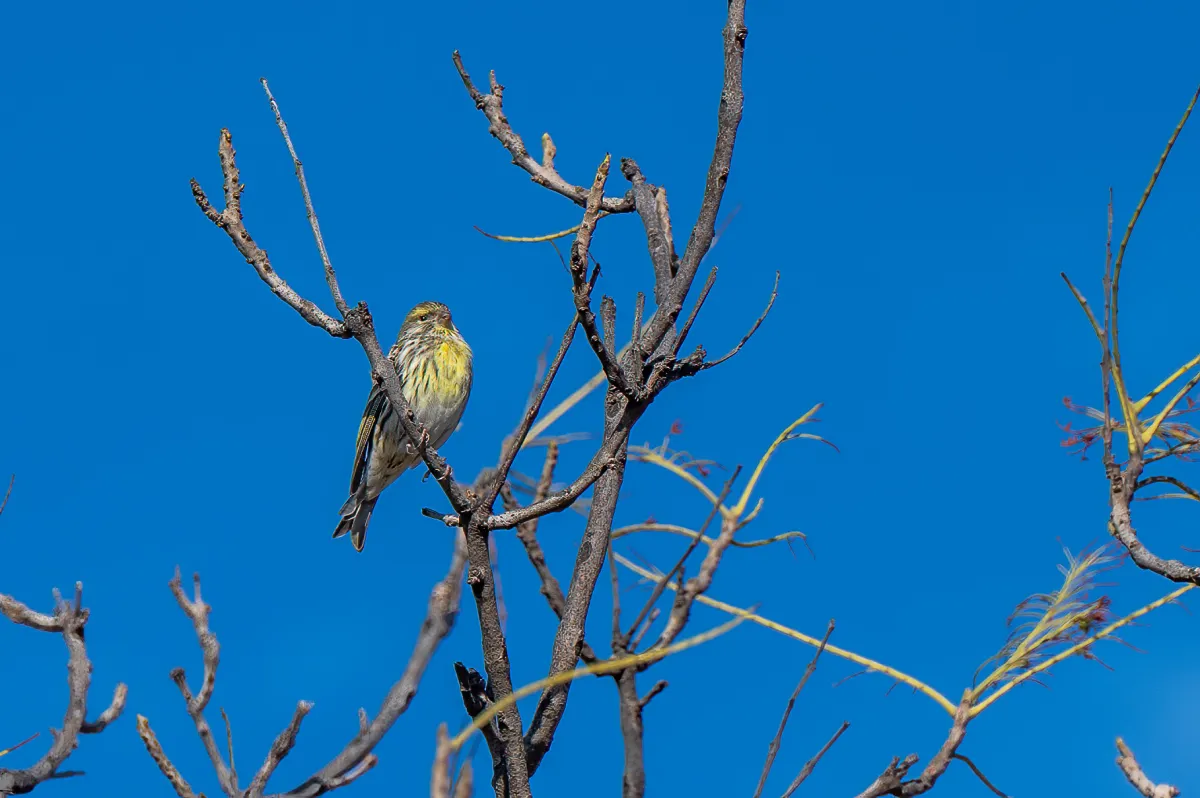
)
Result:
{"points": [[372, 414]]}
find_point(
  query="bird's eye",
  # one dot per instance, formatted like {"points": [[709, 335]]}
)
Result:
{"points": [[424, 317]]}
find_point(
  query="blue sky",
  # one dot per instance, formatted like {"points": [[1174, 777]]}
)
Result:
{"points": [[919, 174]]}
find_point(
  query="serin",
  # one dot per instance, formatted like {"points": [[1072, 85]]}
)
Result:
{"points": [[433, 362]]}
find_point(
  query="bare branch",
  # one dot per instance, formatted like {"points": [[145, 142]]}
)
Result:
{"points": [[691, 319], [197, 611], [230, 220], [603, 461], [729, 116], [527, 534], [109, 715], [658, 687], [677, 619], [891, 782], [517, 439], [807, 770], [773, 747], [69, 620], [582, 288], [979, 775], [7, 493], [178, 782], [1133, 771], [330, 275], [544, 173], [439, 619], [745, 338], [229, 745], [279, 749], [657, 224]]}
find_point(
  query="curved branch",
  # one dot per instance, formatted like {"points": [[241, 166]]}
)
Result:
{"points": [[69, 619]]}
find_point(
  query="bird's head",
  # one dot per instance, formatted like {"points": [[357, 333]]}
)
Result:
{"points": [[433, 318]]}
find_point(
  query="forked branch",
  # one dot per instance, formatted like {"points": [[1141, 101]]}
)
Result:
{"points": [[356, 758], [68, 619]]}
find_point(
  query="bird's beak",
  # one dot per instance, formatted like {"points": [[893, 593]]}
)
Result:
{"points": [[446, 322]]}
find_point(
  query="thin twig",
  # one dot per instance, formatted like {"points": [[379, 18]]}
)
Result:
{"points": [[662, 585], [979, 774], [773, 747], [807, 770], [330, 275]]}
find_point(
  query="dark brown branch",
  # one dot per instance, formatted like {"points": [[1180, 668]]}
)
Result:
{"points": [[657, 225], [582, 287], [773, 747], [510, 777], [633, 779], [637, 359], [69, 620], [330, 275], [807, 770], [729, 116], [979, 774], [620, 414], [691, 319], [544, 173], [658, 687], [1133, 771]]}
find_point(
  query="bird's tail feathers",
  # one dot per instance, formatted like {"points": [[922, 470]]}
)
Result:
{"points": [[356, 514]]}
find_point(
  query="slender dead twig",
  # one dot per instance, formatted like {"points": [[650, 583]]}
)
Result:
{"points": [[662, 585], [330, 275], [807, 770], [7, 493], [979, 774], [773, 747]]}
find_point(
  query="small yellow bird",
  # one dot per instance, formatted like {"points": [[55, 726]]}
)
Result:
{"points": [[433, 362]]}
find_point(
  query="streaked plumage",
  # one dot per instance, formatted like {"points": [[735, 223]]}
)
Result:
{"points": [[434, 365]]}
